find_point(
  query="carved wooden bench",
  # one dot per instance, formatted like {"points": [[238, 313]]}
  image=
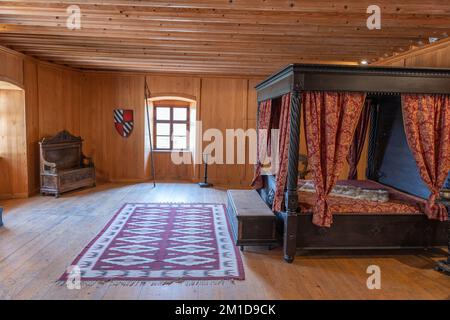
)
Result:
{"points": [[63, 165], [252, 222]]}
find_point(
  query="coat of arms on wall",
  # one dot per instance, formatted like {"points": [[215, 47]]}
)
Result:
{"points": [[124, 122]]}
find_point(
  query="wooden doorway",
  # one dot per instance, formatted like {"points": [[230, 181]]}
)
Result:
{"points": [[13, 147]]}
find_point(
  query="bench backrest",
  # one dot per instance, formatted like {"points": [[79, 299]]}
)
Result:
{"points": [[63, 149]]}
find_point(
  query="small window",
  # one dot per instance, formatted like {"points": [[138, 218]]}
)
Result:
{"points": [[171, 127]]}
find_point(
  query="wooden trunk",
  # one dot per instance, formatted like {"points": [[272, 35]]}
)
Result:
{"points": [[251, 221]]}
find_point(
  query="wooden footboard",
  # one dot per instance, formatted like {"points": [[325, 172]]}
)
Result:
{"points": [[362, 230], [372, 231]]}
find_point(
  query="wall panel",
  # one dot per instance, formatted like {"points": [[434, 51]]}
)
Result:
{"points": [[251, 121], [32, 120], [13, 154], [50, 103], [11, 67], [222, 103], [188, 87], [59, 100], [116, 158], [224, 106], [436, 55], [166, 170], [439, 58]]}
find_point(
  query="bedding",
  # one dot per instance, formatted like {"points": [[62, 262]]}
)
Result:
{"points": [[398, 203], [352, 192]]}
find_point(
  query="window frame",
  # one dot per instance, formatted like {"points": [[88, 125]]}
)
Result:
{"points": [[171, 122]]}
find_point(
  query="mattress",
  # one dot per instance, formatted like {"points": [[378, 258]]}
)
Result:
{"points": [[399, 202]]}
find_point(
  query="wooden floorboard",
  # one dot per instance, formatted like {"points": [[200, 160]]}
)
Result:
{"points": [[43, 235]]}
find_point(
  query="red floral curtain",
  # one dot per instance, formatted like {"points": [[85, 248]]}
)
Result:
{"points": [[427, 126], [330, 122], [283, 152], [265, 110], [359, 139]]}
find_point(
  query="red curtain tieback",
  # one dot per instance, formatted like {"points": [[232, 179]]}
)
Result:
{"points": [[320, 217], [322, 203], [432, 207]]}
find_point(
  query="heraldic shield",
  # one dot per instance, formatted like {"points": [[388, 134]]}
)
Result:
{"points": [[124, 122]]}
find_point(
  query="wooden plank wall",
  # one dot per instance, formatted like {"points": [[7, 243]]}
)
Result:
{"points": [[222, 103], [11, 67], [59, 98], [51, 101], [13, 156], [53, 97], [436, 55], [116, 158], [32, 120]]}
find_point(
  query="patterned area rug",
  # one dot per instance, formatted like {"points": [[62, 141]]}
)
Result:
{"points": [[164, 242]]}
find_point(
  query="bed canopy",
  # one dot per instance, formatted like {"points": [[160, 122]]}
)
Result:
{"points": [[340, 106]]}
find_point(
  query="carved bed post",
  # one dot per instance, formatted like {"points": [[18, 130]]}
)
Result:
{"points": [[290, 225], [371, 171]]}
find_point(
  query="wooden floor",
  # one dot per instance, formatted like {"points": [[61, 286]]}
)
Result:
{"points": [[42, 236]]}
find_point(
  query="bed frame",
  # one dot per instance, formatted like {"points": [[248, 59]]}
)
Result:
{"points": [[363, 230]]}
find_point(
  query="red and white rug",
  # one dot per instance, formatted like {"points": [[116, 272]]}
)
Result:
{"points": [[163, 242]]}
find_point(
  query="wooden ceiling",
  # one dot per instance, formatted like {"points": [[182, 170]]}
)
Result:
{"points": [[229, 37]]}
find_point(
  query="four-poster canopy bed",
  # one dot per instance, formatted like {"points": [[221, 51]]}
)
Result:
{"points": [[334, 102]]}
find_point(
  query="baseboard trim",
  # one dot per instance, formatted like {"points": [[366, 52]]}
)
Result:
{"points": [[14, 196], [34, 192], [128, 180], [222, 186], [168, 180]]}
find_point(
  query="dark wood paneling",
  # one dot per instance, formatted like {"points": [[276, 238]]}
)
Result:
{"points": [[311, 77], [372, 231]]}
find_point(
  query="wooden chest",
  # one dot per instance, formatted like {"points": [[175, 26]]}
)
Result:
{"points": [[252, 221]]}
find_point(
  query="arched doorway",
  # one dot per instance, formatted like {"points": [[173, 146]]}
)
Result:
{"points": [[173, 132], [13, 148]]}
